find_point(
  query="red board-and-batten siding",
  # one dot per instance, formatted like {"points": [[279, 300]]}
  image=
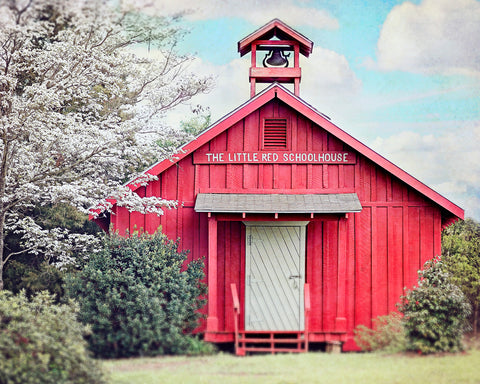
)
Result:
{"points": [[356, 266]]}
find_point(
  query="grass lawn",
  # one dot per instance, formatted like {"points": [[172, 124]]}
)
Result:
{"points": [[304, 368]]}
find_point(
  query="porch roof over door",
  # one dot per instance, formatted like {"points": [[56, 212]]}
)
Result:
{"points": [[277, 203]]}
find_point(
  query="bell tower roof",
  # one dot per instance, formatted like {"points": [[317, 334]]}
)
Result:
{"points": [[275, 28], [279, 41]]}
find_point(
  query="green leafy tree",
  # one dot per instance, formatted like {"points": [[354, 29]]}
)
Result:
{"points": [[435, 311], [41, 342], [190, 128], [461, 257], [198, 123], [29, 275], [139, 297], [34, 271]]}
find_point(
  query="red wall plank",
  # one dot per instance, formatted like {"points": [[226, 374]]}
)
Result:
{"points": [[268, 176], [186, 179], [137, 219], [251, 143], [315, 254], [222, 241], [330, 273], [381, 185], [427, 235], [318, 143], [123, 220], [437, 232], [232, 268], [218, 174], [363, 272], [395, 259], [235, 144], [187, 238], [379, 262], [170, 191], [152, 221], [350, 283], [397, 189], [412, 254], [349, 176]]}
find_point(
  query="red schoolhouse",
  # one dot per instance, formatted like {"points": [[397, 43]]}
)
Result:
{"points": [[306, 231]]}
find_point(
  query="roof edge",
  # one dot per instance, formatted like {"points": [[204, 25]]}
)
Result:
{"points": [[306, 45], [276, 90]]}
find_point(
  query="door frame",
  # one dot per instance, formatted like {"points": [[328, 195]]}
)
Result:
{"points": [[302, 263]]}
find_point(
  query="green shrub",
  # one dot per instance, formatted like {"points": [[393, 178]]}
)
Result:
{"points": [[435, 312], [388, 334], [139, 297], [460, 255], [34, 278], [198, 347], [41, 342]]}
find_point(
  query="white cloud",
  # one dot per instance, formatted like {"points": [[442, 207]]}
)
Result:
{"points": [[327, 83], [328, 74], [449, 162], [436, 36], [254, 11], [230, 91]]}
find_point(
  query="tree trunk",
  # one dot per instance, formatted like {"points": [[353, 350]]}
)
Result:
{"points": [[2, 245], [475, 319], [3, 214]]}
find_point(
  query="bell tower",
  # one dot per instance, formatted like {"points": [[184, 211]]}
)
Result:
{"points": [[275, 57]]}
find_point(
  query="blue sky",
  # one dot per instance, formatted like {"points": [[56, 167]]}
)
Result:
{"points": [[402, 77]]}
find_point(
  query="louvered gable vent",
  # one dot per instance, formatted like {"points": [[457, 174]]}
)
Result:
{"points": [[275, 134]]}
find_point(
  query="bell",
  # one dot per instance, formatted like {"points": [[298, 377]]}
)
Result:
{"points": [[276, 58]]}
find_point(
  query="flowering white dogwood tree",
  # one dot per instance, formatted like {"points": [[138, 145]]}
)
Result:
{"points": [[79, 110]]}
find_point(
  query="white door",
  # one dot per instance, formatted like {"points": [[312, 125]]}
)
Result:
{"points": [[275, 276]]}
